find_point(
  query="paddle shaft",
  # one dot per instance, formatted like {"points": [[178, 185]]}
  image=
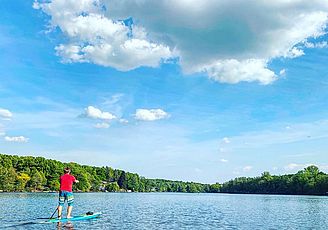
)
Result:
{"points": [[53, 213]]}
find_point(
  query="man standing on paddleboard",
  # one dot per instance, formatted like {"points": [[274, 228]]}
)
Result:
{"points": [[65, 193]]}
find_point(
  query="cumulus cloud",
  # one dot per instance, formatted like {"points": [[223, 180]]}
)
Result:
{"points": [[5, 114], [93, 37], [102, 125], [230, 41], [223, 160], [16, 139], [150, 114], [233, 71], [95, 113]]}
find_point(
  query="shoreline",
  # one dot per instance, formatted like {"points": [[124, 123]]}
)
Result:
{"points": [[223, 193]]}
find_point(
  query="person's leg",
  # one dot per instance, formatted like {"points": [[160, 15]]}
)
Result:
{"points": [[69, 211], [70, 201], [60, 205], [60, 210]]}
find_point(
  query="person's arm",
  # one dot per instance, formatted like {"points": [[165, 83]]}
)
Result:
{"points": [[75, 180]]}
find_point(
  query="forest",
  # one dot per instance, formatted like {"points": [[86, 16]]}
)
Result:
{"points": [[309, 181], [27, 173]]}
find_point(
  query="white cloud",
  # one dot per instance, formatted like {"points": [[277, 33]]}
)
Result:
{"points": [[320, 45], [296, 167], [292, 166], [113, 99], [93, 37], [231, 41], [294, 52], [36, 5], [16, 139], [247, 168], [282, 72], [95, 113], [226, 140], [102, 125], [123, 121], [223, 160], [323, 167], [233, 71], [5, 114], [150, 114]]}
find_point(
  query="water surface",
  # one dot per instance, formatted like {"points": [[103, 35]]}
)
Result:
{"points": [[169, 211]]}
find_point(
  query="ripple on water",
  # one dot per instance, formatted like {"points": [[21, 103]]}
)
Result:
{"points": [[170, 211]]}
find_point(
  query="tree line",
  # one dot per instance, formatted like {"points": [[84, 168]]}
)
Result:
{"points": [[309, 181], [27, 173]]}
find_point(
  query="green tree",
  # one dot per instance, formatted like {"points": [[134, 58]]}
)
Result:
{"points": [[215, 187], [53, 184], [83, 184], [8, 178], [122, 182], [112, 187], [22, 179], [37, 180]]}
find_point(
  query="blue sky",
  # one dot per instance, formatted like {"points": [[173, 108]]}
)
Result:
{"points": [[197, 97]]}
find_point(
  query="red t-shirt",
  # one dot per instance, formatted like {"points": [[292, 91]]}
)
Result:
{"points": [[66, 182]]}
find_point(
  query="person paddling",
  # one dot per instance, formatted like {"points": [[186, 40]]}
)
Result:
{"points": [[65, 193]]}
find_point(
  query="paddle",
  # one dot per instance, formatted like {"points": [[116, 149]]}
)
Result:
{"points": [[47, 218], [53, 213]]}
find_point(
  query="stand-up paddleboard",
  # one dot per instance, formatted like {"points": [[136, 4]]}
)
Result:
{"points": [[87, 216], [75, 218]]}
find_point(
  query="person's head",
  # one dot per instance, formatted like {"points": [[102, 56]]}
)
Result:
{"points": [[67, 170]]}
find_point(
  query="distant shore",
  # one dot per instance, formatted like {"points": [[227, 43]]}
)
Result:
{"points": [[28, 174]]}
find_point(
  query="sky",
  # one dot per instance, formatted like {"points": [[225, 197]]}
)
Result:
{"points": [[188, 90]]}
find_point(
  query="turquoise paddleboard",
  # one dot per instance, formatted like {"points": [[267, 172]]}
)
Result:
{"points": [[75, 218]]}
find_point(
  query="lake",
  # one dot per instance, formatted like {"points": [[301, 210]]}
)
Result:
{"points": [[169, 211]]}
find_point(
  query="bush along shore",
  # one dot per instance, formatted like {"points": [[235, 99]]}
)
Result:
{"points": [[36, 174]]}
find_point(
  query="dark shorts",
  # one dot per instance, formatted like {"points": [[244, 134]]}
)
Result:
{"points": [[66, 196]]}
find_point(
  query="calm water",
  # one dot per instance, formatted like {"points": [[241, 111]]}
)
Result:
{"points": [[170, 211]]}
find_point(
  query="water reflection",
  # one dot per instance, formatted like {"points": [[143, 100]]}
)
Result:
{"points": [[67, 225]]}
